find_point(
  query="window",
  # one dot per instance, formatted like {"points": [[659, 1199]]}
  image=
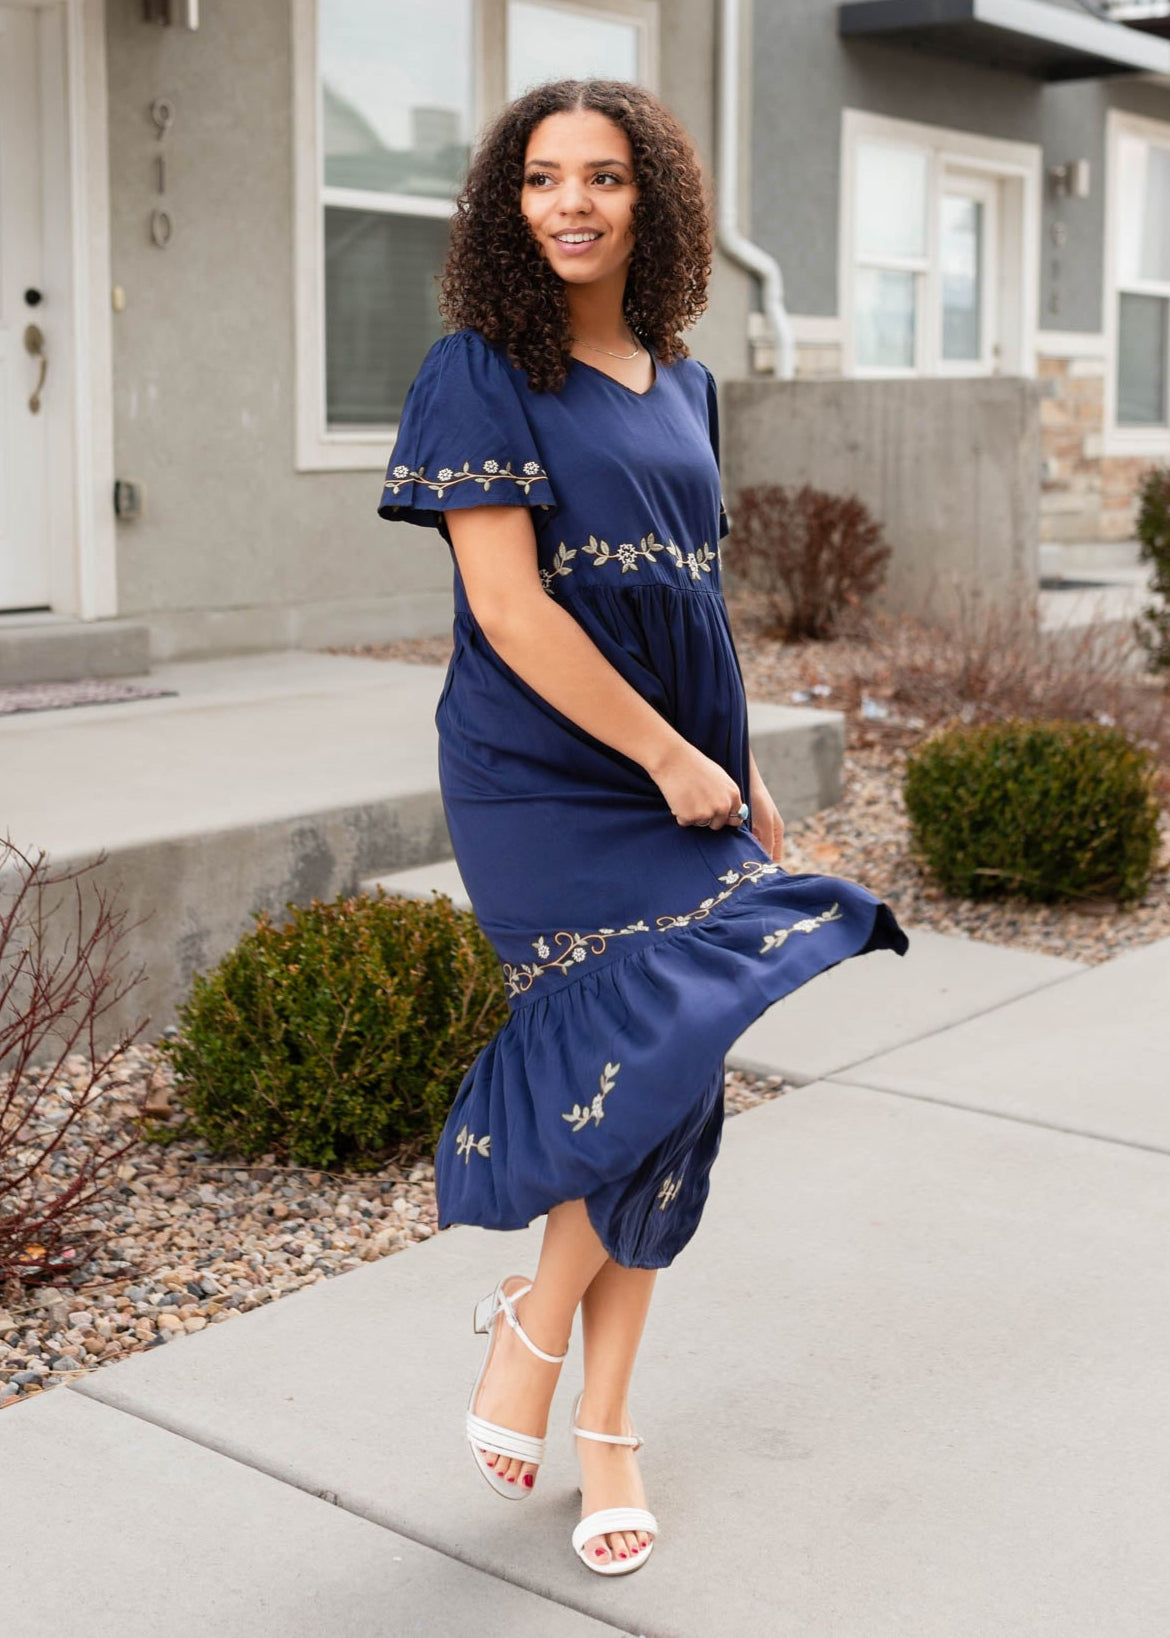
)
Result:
{"points": [[1143, 278], [937, 249], [389, 97]]}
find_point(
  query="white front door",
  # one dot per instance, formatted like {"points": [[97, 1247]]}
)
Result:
{"points": [[26, 330]]}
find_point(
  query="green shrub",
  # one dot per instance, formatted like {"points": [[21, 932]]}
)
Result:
{"points": [[1153, 529], [341, 1038], [1046, 810]]}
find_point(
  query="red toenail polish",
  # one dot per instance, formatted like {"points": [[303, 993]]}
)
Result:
{"points": [[623, 1555], [511, 1478], [528, 1480], [600, 1552]]}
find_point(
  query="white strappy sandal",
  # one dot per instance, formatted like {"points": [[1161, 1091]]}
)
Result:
{"points": [[501, 1441], [608, 1519]]}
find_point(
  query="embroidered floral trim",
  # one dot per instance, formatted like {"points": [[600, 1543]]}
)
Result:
{"points": [[775, 940], [582, 1113], [578, 946], [492, 472], [466, 1143], [628, 554]]}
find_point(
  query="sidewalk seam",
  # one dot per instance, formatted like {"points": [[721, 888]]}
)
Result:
{"points": [[330, 1498], [998, 1114]]}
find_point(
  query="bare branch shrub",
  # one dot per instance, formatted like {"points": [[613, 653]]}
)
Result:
{"points": [[814, 556], [46, 1007]]}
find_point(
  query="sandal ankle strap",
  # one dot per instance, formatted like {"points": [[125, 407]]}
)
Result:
{"points": [[635, 1440], [506, 1302]]}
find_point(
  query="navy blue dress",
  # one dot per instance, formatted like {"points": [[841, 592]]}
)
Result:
{"points": [[634, 950]]}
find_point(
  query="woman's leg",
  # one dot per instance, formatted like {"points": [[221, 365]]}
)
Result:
{"points": [[518, 1387], [613, 1314]]}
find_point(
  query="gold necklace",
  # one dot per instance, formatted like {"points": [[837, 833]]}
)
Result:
{"points": [[606, 350]]}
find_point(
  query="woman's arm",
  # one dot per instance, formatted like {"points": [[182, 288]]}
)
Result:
{"points": [[495, 547]]}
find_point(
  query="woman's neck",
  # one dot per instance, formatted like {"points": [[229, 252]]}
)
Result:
{"points": [[596, 315]]}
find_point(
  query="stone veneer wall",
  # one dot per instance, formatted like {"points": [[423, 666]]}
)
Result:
{"points": [[1085, 495]]}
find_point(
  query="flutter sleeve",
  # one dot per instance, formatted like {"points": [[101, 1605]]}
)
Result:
{"points": [[463, 439], [713, 429]]}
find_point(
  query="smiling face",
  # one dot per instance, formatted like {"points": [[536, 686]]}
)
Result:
{"points": [[579, 186]]}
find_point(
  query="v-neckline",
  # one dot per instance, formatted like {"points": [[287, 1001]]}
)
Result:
{"points": [[651, 388]]}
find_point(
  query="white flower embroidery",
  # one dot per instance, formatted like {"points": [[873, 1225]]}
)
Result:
{"points": [[689, 560], [809, 924], [448, 477], [582, 1113], [576, 946], [466, 1142]]}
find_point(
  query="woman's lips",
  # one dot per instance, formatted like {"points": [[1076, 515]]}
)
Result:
{"points": [[577, 249]]}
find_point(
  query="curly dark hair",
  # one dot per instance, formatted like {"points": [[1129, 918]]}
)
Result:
{"points": [[497, 280]]}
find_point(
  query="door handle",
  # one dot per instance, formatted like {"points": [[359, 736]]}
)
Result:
{"points": [[34, 345]]}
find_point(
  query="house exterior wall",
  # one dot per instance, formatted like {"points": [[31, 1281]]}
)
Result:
{"points": [[237, 550], [804, 75]]}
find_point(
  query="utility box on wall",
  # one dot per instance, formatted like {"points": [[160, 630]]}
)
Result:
{"points": [[950, 468]]}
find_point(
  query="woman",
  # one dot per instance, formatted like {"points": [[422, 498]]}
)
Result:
{"points": [[594, 757]]}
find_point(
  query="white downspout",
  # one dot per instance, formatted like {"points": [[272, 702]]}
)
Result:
{"points": [[730, 239]]}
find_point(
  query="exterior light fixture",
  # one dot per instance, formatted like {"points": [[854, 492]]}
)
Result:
{"points": [[172, 13], [1071, 180]]}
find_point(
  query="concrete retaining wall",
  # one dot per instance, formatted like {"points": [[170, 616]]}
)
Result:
{"points": [[950, 468]]}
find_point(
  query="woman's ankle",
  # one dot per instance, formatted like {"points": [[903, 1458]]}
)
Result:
{"points": [[548, 1331]]}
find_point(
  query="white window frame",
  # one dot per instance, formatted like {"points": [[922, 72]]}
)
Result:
{"points": [[1118, 439], [319, 448], [1014, 293]]}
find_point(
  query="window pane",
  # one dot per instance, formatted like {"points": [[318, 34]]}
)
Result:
{"points": [[381, 311], [891, 200], [960, 254], [1141, 361], [396, 94], [1144, 187], [546, 43], [885, 318]]}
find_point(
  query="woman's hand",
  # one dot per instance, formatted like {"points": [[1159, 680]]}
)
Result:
{"points": [[697, 790], [767, 825]]}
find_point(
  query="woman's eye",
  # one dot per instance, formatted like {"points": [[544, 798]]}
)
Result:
{"points": [[542, 176]]}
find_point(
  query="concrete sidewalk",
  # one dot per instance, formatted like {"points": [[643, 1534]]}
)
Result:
{"points": [[899, 1386]]}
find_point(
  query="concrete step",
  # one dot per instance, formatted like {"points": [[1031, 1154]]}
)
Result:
{"points": [[46, 648], [268, 780]]}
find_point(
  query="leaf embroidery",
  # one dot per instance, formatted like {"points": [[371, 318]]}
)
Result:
{"points": [[670, 1188], [582, 1113], [492, 472], [776, 940], [702, 561], [466, 1142]]}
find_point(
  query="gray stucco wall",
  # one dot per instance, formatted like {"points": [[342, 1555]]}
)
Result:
{"points": [[237, 550], [805, 74]]}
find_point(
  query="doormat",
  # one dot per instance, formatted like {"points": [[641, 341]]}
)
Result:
{"points": [[89, 691]]}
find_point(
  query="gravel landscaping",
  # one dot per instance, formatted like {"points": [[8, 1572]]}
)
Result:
{"points": [[183, 1240]]}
